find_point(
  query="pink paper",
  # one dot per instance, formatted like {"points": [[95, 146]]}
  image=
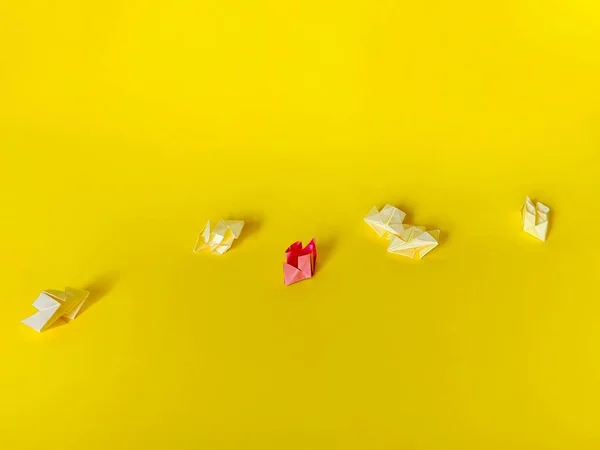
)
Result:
{"points": [[300, 262]]}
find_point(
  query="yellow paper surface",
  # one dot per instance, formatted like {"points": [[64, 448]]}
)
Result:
{"points": [[125, 125]]}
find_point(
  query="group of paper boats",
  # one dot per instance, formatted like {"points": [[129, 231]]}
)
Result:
{"points": [[406, 240], [300, 261]]}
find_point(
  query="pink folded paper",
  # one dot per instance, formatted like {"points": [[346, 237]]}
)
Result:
{"points": [[300, 262]]}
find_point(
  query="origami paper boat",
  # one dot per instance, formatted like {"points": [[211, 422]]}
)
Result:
{"points": [[52, 305], [300, 262], [220, 238], [414, 242], [387, 221], [535, 219]]}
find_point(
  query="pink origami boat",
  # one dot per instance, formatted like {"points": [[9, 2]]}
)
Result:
{"points": [[300, 262]]}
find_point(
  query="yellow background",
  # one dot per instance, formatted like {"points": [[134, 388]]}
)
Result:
{"points": [[125, 125]]}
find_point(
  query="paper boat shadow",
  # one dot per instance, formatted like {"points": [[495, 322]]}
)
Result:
{"points": [[251, 227], [98, 289]]}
